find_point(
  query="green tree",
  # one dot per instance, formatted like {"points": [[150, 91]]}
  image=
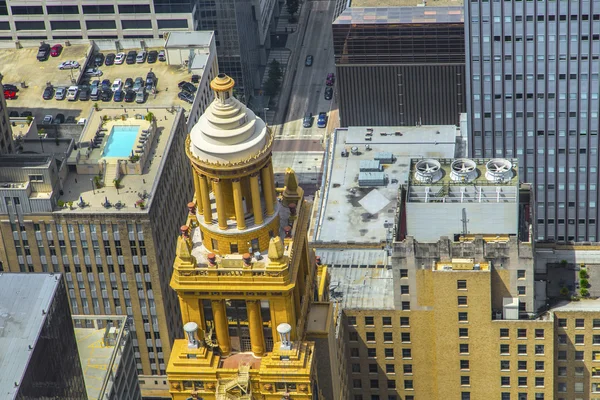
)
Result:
{"points": [[274, 76], [275, 71], [292, 6]]}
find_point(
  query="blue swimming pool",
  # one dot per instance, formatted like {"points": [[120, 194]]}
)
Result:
{"points": [[121, 141]]}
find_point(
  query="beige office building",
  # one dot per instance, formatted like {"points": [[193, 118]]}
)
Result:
{"points": [[105, 211]]}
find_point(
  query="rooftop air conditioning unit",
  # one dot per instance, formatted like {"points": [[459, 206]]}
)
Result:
{"points": [[499, 170], [463, 170], [428, 170]]}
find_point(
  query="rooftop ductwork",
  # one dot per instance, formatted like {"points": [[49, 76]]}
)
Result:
{"points": [[499, 170], [428, 171], [463, 170]]}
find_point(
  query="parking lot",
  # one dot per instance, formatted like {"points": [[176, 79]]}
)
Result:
{"points": [[21, 65]]}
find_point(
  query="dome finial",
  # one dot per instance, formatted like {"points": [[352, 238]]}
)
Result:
{"points": [[223, 87]]}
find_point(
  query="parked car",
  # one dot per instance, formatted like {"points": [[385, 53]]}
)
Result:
{"points": [[131, 57], [322, 120], [72, 93], [106, 95], [43, 52], [48, 93], [8, 86], [59, 119], [26, 114], [188, 87], [47, 119], [140, 96], [56, 50], [13, 114], [128, 83], [10, 94], [105, 84], [309, 60], [110, 59], [117, 84], [60, 94], [70, 120], [138, 84], [99, 59], [186, 96], [330, 79], [118, 95], [152, 56], [95, 93], [129, 96], [141, 57], [328, 93], [84, 94], [308, 120], [162, 56], [150, 81], [68, 65], [120, 58], [93, 72]]}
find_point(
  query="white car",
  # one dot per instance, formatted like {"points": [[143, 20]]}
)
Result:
{"points": [[117, 84], [72, 93], [120, 58], [140, 96], [141, 57], [47, 119], [68, 65], [93, 72], [60, 93]]}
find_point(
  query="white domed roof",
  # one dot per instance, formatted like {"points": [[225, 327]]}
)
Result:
{"points": [[228, 132]]}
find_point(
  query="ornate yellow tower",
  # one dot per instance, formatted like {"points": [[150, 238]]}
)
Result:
{"points": [[244, 274]]}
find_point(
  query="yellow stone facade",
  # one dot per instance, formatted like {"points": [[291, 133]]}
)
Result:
{"points": [[244, 273]]}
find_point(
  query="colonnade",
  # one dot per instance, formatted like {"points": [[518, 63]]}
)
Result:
{"points": [[220, 187]]}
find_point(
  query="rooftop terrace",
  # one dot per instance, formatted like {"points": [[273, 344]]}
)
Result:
{"points": [[140, 181], [351, 212]]}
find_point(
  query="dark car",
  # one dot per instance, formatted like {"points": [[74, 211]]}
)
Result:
{"points": [[59, 119], [328, 93], [43, 52], [128, 83], [48, 93], [70, 120], [26, 114], [110, 59], [308, 120], [13, 114], [106, 95], [8, 86], [131, 57], [118, 95], [99, 60], [84, 94], [188, 87], [309, 60], [152, 56], [185, 96], [129, 96], [105, 84]]}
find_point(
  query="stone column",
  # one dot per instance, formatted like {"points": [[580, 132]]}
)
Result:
{"points": [[272, 174], [221, 325], [256, 206], [238, 203], [255, 325], [268, 189], [205, 200], [198, 191], [221, 212]]}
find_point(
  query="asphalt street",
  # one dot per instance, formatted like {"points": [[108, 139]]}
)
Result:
{"points": [[308, 86]]}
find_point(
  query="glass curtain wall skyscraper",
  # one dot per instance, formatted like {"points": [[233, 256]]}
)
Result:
{"points": [[533, 94]]}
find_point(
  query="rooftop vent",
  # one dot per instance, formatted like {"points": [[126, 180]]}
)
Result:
{"points": [[428, 171], [463, 170], [499, 170]]}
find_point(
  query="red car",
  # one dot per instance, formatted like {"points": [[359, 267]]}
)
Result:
{"points": [[56, 50], [9, 94], [330, 79]]}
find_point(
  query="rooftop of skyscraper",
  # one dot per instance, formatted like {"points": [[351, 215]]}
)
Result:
{"points": [[99, 351], [369, 12], [363, 172], [24, 303], [405, 3]]}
